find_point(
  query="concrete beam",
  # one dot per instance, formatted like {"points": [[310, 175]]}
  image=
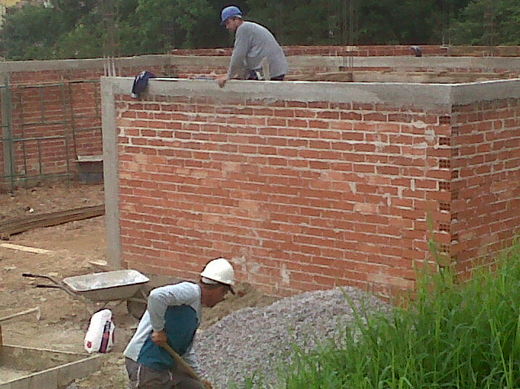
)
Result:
{"points": [[72, 64], [407, 94], [463, 94], [296, 62], [433, 63], [334, 62], [425, 96]]}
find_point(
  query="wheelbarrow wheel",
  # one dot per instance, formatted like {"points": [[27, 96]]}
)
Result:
{"points": [[136, 308]]}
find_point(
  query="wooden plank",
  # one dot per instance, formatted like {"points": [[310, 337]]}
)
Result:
{"points": [[15, 226], [25, 248]]}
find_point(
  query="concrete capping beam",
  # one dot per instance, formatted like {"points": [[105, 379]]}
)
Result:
{"points": [[334, 62], [296, 62], [429, 96], [420, 95], [430, 62], [73, 64], [462, 94]]}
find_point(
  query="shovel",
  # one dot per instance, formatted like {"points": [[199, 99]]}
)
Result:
{"points": [[187, 368]]}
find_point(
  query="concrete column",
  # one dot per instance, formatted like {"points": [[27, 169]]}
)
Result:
{"points": [[111, 173]]}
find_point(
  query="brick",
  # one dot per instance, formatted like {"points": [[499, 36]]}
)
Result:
{"points": [[345, 181]]}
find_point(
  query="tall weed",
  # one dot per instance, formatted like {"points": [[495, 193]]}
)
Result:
{"points": [[451, 335]]}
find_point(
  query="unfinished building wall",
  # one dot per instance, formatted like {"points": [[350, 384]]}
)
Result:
{"points": [[485, 190], [376, 51], [201, 65], [51, 115], [303, 186]]}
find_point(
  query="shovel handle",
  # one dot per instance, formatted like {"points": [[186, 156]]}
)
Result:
{"points": [[181, 362]]}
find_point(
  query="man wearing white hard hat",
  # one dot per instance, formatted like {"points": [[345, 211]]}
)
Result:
{"points": [[172, 318], [254, 51]]}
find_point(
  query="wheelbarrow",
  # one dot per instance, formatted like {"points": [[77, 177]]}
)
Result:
{"points": [[117, 285]]}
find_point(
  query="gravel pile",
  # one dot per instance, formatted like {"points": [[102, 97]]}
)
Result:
{"points": [[251, 340]]}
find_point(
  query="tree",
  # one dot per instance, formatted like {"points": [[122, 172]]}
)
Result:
{"points": [[26, 33], [166, 24], [486, 22]]}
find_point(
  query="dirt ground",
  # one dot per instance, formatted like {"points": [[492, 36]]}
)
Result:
{"points": [[75, 248]]}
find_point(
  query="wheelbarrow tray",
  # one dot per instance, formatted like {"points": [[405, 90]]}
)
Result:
{"points": [[107, 286]]}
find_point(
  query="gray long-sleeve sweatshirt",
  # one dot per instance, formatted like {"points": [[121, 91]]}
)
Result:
{"points": [[184, 293], [254, 42]]}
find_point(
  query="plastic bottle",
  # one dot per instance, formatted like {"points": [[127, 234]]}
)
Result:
{"points": [[100, 333]]}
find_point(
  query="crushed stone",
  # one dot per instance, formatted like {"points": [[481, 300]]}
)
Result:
{"points": [[252, 341]]}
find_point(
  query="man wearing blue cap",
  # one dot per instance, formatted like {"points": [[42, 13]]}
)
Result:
{"points": [[255, 50]]}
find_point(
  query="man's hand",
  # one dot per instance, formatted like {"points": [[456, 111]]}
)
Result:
{"points": [[159, 337], [221, 80]]}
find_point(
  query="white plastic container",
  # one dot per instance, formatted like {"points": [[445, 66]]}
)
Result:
{"points": [[100, 333]]}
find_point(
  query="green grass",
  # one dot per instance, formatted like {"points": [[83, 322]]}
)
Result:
{"points": [[450, 336]]}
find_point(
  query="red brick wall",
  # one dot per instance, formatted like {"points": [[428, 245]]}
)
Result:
{"points": [[201, 70], [300, 195], [375, 50], [486, 185], [62, 106], [358, 51]]}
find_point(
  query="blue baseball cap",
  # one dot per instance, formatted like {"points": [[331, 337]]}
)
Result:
{"points": [[229, 12]]}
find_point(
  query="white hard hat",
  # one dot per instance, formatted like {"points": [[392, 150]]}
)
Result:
{"points": [[219, 270]]}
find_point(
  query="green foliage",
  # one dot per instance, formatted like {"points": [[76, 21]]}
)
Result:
{"points": [[80, 28], [26, 33], [488, 22], [81, 42], [464, 336], [355, 21], [165, 24]]}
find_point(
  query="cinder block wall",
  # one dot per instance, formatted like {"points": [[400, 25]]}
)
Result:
{"points": [[310, 185]]}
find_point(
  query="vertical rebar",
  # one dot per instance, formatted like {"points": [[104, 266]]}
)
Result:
{"points": [[349, 32], [489, 25], [111, 42]]}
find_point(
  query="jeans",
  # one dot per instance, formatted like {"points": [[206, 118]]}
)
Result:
{"points": [[142, 377], [256, 75]]}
